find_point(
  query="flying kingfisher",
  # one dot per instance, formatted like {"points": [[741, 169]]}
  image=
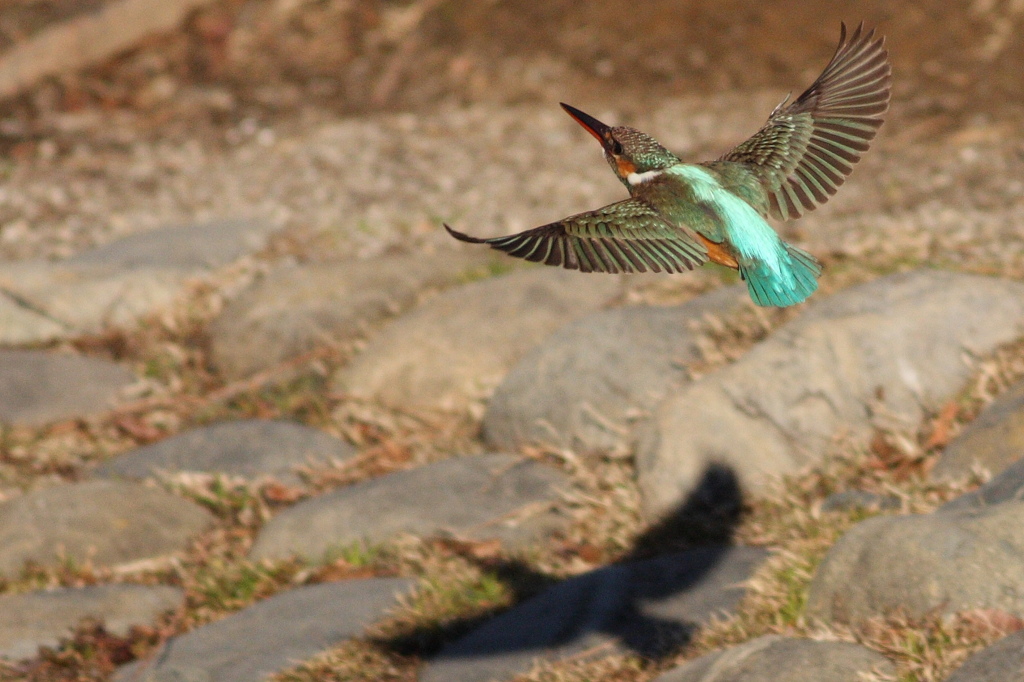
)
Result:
{"points": [[681, 215]]}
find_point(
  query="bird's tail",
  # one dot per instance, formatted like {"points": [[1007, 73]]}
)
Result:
{"points": [[770, 288]]}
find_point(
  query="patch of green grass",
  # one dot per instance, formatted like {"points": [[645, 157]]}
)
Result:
{"points": [[930, 648], [359, 554], [228, 586], [234, 500], [303, 397], [792, 580], [443, 599]]}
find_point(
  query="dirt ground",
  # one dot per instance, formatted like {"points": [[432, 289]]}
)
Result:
{"points": [[355, 56], [294, 62]]}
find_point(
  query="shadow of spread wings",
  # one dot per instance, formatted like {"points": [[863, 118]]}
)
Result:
{"points": [[628, 236], [805, 150]]}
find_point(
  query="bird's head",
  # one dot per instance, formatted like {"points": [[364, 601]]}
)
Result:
{"points": [[634, 156]]}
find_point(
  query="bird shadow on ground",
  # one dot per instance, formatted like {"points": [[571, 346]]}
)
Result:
{"points": [[650, 600]]}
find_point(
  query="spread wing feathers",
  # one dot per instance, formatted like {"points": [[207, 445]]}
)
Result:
{"points": [[805, 150], [628, 236]]}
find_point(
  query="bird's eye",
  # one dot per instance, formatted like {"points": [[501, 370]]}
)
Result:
{"points": [[616, 147]]}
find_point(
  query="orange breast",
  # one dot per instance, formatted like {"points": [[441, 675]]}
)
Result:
{"points": [[718, 253]]}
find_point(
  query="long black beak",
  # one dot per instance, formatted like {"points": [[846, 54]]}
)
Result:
{"points": [[593, 126]]}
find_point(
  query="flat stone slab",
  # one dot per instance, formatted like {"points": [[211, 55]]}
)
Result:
{"points": [[993, 441], [37, 387], [38, 619], [945, 562], [87, 298], [274, 634], [772, 658], [646, 607], [456, 348], [587, 384], [293, 310], [120, 282], [479, 496], [1000, 662], [106, 522], [22, 325], [249, 448], [899, 341], [189, 247]]}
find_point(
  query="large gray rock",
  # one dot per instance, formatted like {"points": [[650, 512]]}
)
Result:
{"points": [[590, 381], [29, 621], [480, 496], [295, 309], [38, 387], [193, 247], [646, 607], [85, 298], [772, 658], [106, 522], [273, 634], [251, 448], [1000, 662], [456, 348], [948, 562], [899, 341], [993, 441], [129, 278]]}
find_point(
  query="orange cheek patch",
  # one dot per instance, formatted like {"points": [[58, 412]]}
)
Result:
{"points": [[625, 167]]}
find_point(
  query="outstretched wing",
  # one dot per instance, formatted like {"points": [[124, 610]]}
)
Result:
{"points": [[628, 236], [805, 150]]}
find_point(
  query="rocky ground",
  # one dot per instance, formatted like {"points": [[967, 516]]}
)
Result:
{"points": [[262, 416]]}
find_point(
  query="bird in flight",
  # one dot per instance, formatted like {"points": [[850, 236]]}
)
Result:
{"points": [[681, 215]]}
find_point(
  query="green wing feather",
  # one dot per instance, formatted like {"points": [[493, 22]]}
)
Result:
{"points": [[805, 150], [628, 236]]}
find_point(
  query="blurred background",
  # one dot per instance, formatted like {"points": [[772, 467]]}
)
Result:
{"points": [[116, 115], [234, 58], [278, 56]]}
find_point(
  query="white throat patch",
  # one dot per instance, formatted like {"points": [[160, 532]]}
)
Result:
{"points": [[635, 178]]}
